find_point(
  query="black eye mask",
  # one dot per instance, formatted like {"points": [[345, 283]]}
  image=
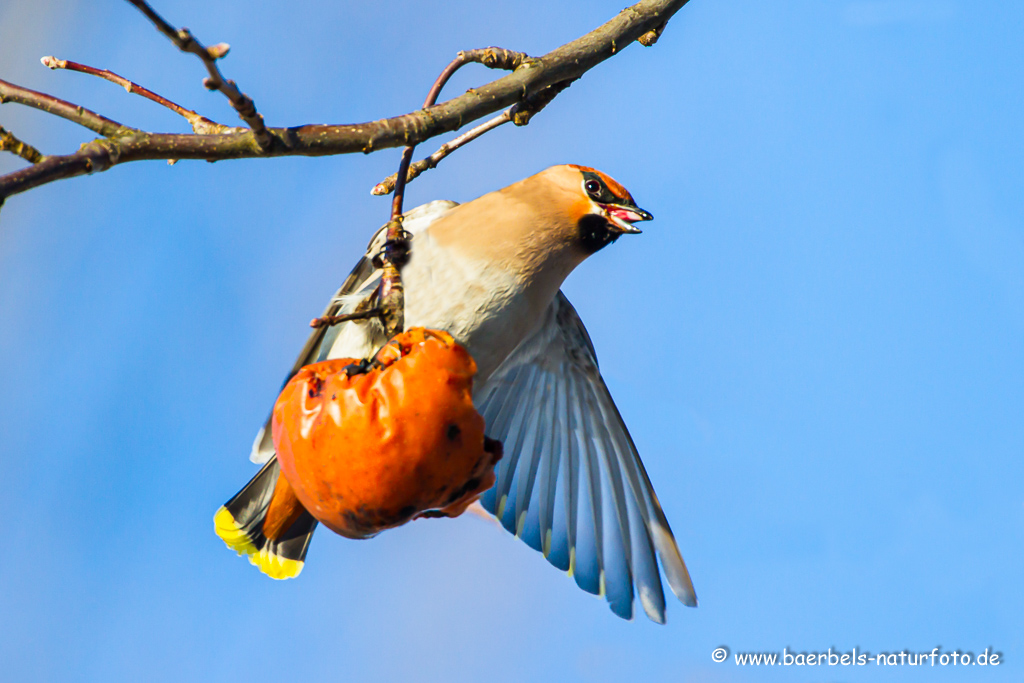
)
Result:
{"points": [[603, 194]]}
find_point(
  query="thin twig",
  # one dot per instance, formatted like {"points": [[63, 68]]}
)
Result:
{"points": [[9, 143], [200, 124], [396, 245], [491, 57], [387, 185], [520, 113], [567, 62], [10, 92], [186, 42], [328, 320]]}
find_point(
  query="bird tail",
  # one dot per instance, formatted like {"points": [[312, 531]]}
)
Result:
{"points": [[266, 522]]}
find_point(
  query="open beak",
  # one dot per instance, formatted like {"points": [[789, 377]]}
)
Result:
{"points": [[623, 217]]}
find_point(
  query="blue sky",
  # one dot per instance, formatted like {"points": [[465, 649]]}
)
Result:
{"points": [[829, 404]]}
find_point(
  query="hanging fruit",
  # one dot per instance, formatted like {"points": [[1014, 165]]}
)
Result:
{"points": [[368, 446]]}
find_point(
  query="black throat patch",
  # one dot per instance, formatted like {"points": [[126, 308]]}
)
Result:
{"points": [[595, 233]]}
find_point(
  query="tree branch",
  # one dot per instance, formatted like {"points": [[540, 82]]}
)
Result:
{"points": [[520, 114], [186, 42], [387, 186], [200, 124], [9, 143], [567, 62], [491, 57], [52, 105], [395, 252]]}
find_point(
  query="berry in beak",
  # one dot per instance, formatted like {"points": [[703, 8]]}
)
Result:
{"points": [[623, 217]]}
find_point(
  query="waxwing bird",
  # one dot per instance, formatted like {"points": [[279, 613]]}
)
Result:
{"points": [[571, 483]]}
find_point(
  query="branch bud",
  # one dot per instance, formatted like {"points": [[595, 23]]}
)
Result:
{"points": [[651, 37], [53, 63], [217, 51]]}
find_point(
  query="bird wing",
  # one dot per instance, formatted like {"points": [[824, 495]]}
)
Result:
{"points": [[571, 483], [359, 284]]}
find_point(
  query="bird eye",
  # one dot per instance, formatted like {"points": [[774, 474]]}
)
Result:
{"points": [[592, 186]]}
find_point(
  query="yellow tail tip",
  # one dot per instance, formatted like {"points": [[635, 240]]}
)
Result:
{"points": [[231, 533], [274, 566]]}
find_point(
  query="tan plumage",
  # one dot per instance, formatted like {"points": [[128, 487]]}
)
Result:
{"points": [[489, 272], [491, 267]]}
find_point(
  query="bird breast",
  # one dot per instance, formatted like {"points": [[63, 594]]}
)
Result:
{"points": [[486, 307]]}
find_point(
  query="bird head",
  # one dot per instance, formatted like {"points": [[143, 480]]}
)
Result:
{"points": [[600, 208], [544, 225]]}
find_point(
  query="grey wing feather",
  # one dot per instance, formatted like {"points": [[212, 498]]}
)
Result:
{"points": [[549, 405], [263, 445], [359, 284]]}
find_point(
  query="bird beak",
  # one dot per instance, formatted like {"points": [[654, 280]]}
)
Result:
{"points": [[623, 217]]}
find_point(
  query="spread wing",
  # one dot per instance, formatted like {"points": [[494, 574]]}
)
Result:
{"points": [[571, 483], [359, 284]]}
